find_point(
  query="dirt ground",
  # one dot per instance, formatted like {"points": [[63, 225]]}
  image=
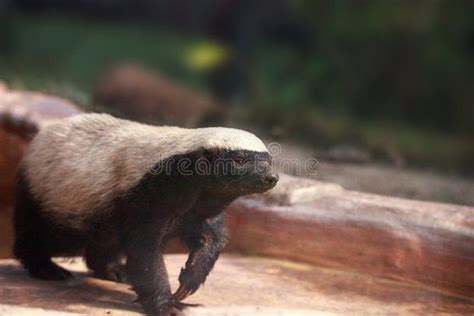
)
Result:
{"points": [[262, 287]]}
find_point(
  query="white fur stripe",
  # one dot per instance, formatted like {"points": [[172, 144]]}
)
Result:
{"points": [[77, 165]]}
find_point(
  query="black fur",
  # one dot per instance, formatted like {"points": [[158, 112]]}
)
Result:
{"points": [[167, 203]]}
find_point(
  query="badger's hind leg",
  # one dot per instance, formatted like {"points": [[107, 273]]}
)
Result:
{"points": [[106, 260], [33, 247], [44, 268], [107, 268]]}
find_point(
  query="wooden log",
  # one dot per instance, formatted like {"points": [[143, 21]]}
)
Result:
{"points": [[423, 243], [139, 94], [21, 115], [11, 151], [24, 112]]}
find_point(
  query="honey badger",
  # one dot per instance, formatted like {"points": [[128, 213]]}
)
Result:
{"points": [[115, 191]]}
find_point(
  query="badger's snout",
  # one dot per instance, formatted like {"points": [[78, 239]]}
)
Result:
{"points": [[271, 179], [268, 175]]}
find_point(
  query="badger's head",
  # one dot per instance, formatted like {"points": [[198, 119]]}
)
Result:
{"points": [[240, 163]]}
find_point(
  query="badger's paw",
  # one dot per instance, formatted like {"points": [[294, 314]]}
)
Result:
{"points": [[169, 311], [48, 270], [168, 308], [114, 272]]}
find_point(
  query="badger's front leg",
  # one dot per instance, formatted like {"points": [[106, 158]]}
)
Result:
{"points": [[146, 269], [205, 237]]}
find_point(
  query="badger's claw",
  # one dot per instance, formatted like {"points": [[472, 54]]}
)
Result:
{"points": [[187, 284], [182, 306], [181, 293]]}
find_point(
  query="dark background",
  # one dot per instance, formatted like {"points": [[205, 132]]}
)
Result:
{"points": [[395, 78]]}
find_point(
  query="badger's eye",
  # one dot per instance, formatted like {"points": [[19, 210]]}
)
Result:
{"points": [[239, 160]]}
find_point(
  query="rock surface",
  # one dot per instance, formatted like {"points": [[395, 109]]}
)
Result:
{"points": [[378, 178], [237, 286]]}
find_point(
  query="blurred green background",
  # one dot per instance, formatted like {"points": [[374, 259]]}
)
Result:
{"points": [[386, 76]]}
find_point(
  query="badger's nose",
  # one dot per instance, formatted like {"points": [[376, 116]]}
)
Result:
{"points": [[272, 179]]}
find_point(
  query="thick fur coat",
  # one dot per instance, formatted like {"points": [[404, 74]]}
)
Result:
{"points": [[88, 186], [78, 165]]}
